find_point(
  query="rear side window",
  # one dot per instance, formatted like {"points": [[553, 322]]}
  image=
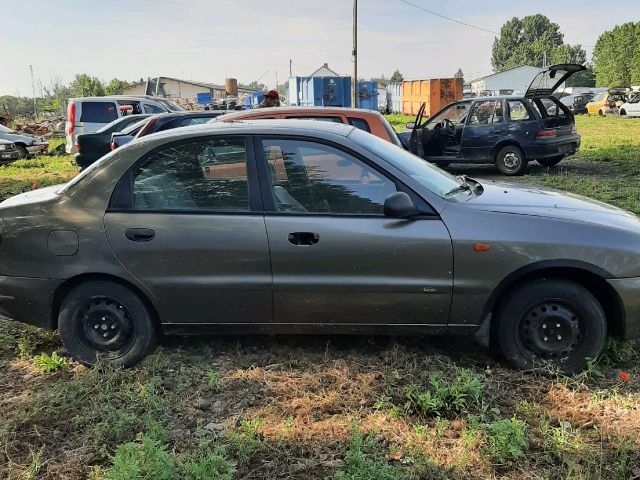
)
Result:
{"points": [[209, 174], [487, 112], [518, 111], [359, 123], [98, 112], [153, 109], [194, 121]]}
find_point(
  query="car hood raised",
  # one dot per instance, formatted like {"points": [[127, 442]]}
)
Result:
{"points": [[528, 200]]}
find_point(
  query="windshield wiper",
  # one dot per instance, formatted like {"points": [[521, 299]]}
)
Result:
{"points": [[463, 187], [468, 184]]}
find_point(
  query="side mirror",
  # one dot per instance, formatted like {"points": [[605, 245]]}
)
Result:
{"points": [[410, 125], [399, 205]]}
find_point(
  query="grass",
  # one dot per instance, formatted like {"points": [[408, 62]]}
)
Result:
{"points": [[322, 407]]}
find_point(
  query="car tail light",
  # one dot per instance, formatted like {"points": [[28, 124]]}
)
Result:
{"points": [[574, 129], [71, 117], [546, 133], [146, 130], [77, 146]]}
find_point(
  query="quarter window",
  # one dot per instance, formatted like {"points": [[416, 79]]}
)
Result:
{"points": [[309, 177], [518, 111], [359, 123], [208, 174], [487, 112]]}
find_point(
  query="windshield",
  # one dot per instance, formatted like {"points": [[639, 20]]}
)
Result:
{"points": [[390, 131], [132, 128], [428, 175], [122, 120]]}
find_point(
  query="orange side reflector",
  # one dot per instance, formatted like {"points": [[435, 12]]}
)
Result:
{"points": [[481, 247]]}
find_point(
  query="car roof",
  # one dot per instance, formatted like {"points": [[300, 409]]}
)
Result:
{"points": [[259, 127], [186, 113], [111, 98], [302, 110]]}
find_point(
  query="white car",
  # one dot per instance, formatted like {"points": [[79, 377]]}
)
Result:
{"points": [[89, 114], [632, 107]]}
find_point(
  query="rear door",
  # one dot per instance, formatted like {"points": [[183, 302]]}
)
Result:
{"points": [[336, 259], [522, 122], [485, 126], [187, 222], [95, 114]]}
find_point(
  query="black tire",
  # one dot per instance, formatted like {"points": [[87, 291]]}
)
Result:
{"points": [[510, 160], [526, 333], [551, 161], [601, 113], [24, 153], [101, 308]]}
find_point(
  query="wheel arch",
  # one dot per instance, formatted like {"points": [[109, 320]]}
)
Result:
{"points": [[591, 277], [68, 285]]}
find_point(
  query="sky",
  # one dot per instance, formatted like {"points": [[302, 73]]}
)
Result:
{"points": [[210, 40]]}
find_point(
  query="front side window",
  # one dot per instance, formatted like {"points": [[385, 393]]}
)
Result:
{"points": [[487, 112], [309, 177], [518, 111], [207, 174], [455, 113]]}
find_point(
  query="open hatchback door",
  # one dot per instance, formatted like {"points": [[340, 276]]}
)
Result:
{"points": [[547, 81]]}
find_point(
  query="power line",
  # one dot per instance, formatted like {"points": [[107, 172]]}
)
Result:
{"points": [[448, 18]]}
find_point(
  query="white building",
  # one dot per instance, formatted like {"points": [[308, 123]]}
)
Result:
{"points": [[517, 79], [175, 88], [324, 71]]}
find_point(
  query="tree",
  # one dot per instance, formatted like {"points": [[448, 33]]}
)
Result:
{"points": [[115, 86], [252, 86], [382, 81], [85, 86], [586, 78], [616, 56], [396, 77], [459, 74], [528, 41]]}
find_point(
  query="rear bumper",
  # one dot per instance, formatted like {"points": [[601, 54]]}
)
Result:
{"points": [[628, 290], [29, 300], [544, 149]]}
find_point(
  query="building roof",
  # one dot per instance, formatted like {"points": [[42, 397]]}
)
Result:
{"points": [[212, 86], [504, 71], [323, 70]]}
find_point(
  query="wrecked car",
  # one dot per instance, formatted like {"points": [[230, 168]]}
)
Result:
{"points": [[608, 103], [508, 131], [26, 144]]}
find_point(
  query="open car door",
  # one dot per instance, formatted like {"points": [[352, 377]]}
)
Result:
{"points": [[548, 80]]}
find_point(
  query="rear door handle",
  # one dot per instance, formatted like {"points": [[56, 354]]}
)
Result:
{"points": [[140, 234], [302, 239]]}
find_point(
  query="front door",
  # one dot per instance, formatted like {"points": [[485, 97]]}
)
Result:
{"points": [[485, 126], [192, 233], [336, 259]]}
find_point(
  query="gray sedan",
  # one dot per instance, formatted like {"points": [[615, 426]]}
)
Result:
{"points": [[310, 227]]}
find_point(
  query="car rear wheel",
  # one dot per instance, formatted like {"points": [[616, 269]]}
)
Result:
{"points": [[24, 153], [601, 113], [103, 320], [510, 160], [551, 161], [550, 323]]}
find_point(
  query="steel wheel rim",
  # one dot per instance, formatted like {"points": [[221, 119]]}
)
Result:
{"points": [[106, 326], [551, 330], [511, 160]]}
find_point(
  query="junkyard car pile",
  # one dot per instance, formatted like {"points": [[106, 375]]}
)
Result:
{"points": [[300, 226], [25, 144]]}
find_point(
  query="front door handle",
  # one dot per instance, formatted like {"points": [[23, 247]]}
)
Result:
{"points": [[303, 239], [140, 234]]}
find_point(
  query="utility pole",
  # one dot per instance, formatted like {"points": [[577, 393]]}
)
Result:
{"points": [[33, 89], [354, 85], [290, 70]]}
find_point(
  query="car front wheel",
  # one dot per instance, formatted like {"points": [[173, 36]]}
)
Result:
{"points": [[550, 323], [24, 153], [551, 161], [103, 320], [510, 160]]}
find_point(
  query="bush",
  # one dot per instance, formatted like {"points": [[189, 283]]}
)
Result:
{"points": [[505, 440], [147, 459], [50, 363], [618, 352], [444, 396]]}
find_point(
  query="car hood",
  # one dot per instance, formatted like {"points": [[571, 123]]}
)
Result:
{"points": [[14, 137], [518, 199], [32, 196]]}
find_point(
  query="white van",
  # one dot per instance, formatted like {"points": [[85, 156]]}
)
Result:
{"points": [[89, 114]]}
